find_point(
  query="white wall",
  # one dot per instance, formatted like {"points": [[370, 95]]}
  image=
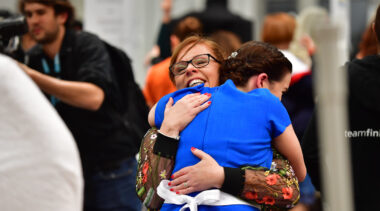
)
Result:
{"points": [[8, 5], [129, 24]]}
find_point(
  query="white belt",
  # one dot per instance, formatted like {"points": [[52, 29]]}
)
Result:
{"points": [[213, 197]]}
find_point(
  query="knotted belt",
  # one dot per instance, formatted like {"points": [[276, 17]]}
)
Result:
{"points": [[213, 197]]}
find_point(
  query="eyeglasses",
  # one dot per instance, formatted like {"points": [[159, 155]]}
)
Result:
{"points": [[198, 61]]}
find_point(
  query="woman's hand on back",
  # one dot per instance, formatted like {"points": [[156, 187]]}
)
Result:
{"points": [[179, 115], [204, 175]]}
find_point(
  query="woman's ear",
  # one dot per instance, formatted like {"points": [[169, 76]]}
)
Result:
{"points": [[262, 81]]}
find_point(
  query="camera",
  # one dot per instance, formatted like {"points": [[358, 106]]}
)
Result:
{"points": [[10, 28]]}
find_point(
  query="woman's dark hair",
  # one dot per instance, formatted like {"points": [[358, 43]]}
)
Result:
{"points": [[368, 43], [60, 6], [252, 59], [377, 23]]}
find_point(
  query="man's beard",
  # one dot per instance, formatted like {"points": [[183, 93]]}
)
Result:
{"points": [[48, 38]]}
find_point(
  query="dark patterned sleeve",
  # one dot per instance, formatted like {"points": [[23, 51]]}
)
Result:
{"points": [[153, 166], [272, 189]]}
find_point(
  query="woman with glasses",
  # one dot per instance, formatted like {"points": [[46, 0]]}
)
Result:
{"points": [[238, 127]]}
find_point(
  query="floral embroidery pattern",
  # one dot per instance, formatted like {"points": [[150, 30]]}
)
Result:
{"points": [[145, 168], [163, 174], [153, 136], [280, 188], [287, 193], [250, 195], [273, 166], [260, 201], [268, 200], [145, 178], [151, 169], [272, 179]]}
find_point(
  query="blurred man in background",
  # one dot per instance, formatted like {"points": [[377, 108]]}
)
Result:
{"points": [[74, 70]]}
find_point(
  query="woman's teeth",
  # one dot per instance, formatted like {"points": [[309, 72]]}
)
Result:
{"points": [[195, 82]]}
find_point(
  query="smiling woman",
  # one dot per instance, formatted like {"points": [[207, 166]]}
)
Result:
{"points": [[191, 48], [241, 120], [197, 61]]}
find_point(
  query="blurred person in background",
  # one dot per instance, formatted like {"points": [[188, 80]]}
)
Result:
{"points": [[368, 43], [278, 29], [77, 25], [74, 70], [157, 53], [227, 40], [302, 45], [216, 16], [364, 129], [39, 162], [158, 83]]}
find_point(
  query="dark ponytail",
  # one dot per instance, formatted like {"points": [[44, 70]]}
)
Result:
{"points": [[252, 59]]}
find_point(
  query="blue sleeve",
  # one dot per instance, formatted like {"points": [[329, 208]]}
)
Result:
{"points": [[279, 118], [160, 107]]}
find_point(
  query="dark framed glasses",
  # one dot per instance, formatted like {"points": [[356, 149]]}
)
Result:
{"points": [[198, 61]]}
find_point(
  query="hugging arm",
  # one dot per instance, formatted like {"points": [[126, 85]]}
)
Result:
{"points": [[275, 187], [288, 145], [178, 116], [158, 149]]}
